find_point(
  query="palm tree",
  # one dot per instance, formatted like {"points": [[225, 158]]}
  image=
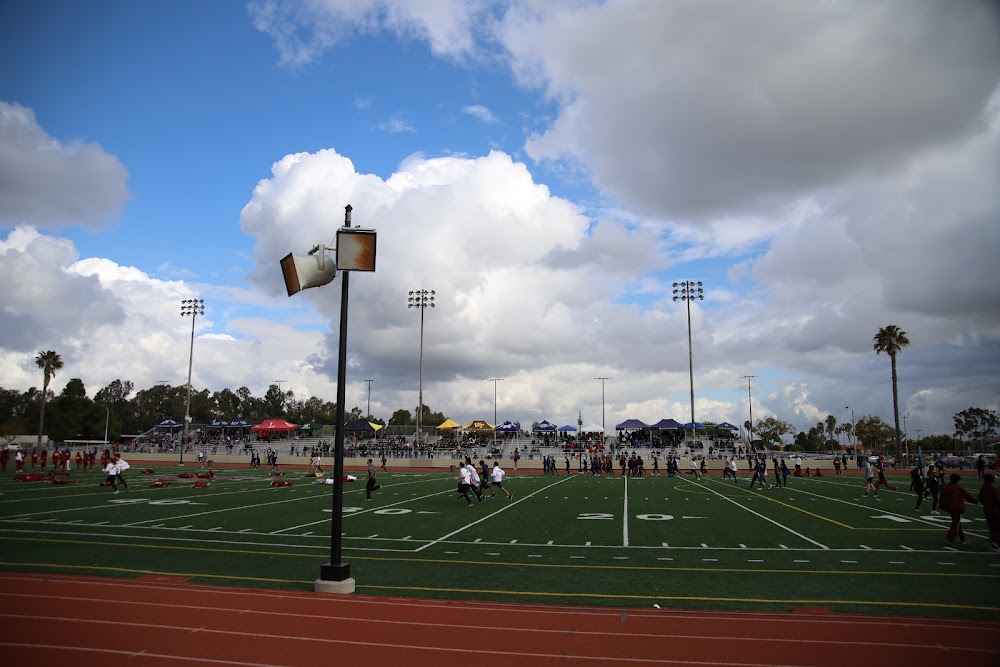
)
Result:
{"points": [[49, 362], [891, 340], [831, 426]]}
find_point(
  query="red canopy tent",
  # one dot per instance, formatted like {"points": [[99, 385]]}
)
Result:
{"points": [[274, 425]]}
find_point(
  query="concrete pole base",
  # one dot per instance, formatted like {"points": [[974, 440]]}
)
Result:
{"points": [[345, 587]]}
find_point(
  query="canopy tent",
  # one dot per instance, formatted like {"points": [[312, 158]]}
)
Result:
{"points": [[478, 425], [359, 426], [508, 427], [631, 424], [568, 428], [377, 427], [219, 423], [593, 428], [665, 424], [543, 427], [168, 423], [274, 425], [697, 425], [311, 427], [727, 426], [448, 424]]}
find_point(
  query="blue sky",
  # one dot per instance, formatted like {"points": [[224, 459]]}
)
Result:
{"points": [[549, 169]]}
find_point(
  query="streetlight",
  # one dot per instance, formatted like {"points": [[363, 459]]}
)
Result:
{"points": [[355, 251], [687, 291], [850, 437], [421, 299], [494, 381], [604, 429], [750, 403], [192, 308]]}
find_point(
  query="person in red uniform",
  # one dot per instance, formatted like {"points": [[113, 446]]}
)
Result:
{"points": [[4, 459], [34, 458], [44, 458], [952, 500], [882, 481], [18, 461], [56, 460], [989, 498], [79, 460]]}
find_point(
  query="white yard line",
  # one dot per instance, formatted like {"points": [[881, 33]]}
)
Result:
{"points": [[478, 521], [625, 514], [768, 519], [364, 511]]}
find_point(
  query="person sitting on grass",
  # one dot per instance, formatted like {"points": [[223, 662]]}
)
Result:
{"points": [[952, 501]]}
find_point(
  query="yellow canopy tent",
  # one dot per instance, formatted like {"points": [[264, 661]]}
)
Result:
{"points": [[449, 424], [377, 427], [478, 425]]}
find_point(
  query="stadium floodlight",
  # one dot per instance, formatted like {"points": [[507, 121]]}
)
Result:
{"points": [[313, 270]]}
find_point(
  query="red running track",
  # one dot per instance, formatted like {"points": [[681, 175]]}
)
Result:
{"points": [[69, 620]]}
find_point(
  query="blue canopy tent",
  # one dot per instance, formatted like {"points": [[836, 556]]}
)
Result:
{"points": [[697, 425], [568, 428], [508, 427], [219, 423], [543, 427], [727, 426], [666, 424], [168, 423], [631, 425]]}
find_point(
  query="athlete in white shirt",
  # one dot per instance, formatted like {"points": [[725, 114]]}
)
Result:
{"points": [[497, 482], [464, 482]]}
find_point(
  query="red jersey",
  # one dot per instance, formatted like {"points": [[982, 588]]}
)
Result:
{"points": [[953, 497]]}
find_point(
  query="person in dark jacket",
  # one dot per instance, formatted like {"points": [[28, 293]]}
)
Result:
{"points": [[952, 500]]}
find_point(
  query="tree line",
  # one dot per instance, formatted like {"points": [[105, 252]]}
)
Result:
{"points": [[73, 415]]}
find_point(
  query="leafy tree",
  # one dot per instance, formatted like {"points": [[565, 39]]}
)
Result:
{"points": [[891, 340], [873, 433], [977, 424], [402, 418], [50, 362], [770, 430]]}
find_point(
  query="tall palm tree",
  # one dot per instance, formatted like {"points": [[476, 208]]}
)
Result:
{"points": [[49, 362], [891, 340], [831, 427]]}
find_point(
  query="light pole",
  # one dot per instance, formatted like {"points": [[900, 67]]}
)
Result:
{"points": [[192, 308], [107, 418], [750, 403], [421, 299], [355, 251], [850, 439], [604, 428], [687, 291], [494, 381], [906, 437], [369, 381]]}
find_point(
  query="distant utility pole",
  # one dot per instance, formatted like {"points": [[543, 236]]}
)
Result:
{"points": [[604, 428], [369, 381], [750, 401]]}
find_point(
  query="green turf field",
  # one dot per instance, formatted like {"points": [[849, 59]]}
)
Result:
{"points": [[609, 540]]}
